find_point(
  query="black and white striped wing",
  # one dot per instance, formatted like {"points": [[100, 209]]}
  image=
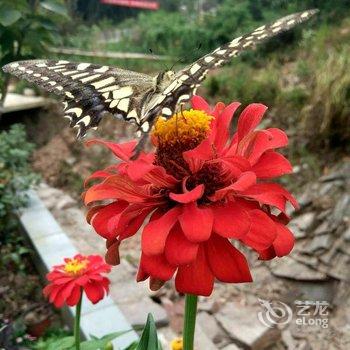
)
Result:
{"points": [[89, 90], [186, 81]]}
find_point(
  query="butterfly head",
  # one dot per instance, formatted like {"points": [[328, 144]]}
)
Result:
{"points": [[163, 78]]}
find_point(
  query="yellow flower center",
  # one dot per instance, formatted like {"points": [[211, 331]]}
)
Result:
{"points": [[182, 132], [75, 266], [177, 344], [183, 127]]}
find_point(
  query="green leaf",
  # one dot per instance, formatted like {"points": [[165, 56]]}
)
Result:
{"points": [[9, 16], [54, 6], [149, 338], [62, 344], [101, 343]]}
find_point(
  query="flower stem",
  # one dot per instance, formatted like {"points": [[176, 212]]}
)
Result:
{"points": [[189, 321], [77, 323]]}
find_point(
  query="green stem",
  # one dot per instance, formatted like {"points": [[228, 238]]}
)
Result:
{"points": [[77, 323], [189, 321]]}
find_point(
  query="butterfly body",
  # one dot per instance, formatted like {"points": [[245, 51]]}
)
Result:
{"points": [[91, 91]]}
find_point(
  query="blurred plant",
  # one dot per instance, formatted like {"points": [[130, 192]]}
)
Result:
{"points": [[26, 29], [326, 119], [16, 175]]}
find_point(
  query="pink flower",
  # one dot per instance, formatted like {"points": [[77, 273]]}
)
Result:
{"points": [[201, 189]]}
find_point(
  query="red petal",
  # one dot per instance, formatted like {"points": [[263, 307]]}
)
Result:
{"points": [[279, 138], [155, 266], [196, 223], [200, 103], [100, 174], [231, 221], [271, 194], [156, 232], [271, 164], [223, 125], [258, 142], [158, 177], [195, 278], [178, 249], [249, 119], [196, 157], [284, 242], [226, 262], [122, 150], [131, 220], [74, 297], [137, 169], [262, 231], [267, 254], [112, 254], [189, 196], [106, 219], [245, 181], [94, 291]]}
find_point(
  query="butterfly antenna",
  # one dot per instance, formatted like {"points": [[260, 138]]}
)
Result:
{"points": [[154, 56]]}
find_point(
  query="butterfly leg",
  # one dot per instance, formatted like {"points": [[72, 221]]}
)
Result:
{"points": [[140, 145]]}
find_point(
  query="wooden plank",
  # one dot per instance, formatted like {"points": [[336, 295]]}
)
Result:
{"points": [[108, 54], [16, 102]]}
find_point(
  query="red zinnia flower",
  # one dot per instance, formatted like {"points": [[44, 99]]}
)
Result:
{"points": [[202, 189], [78, 274]]}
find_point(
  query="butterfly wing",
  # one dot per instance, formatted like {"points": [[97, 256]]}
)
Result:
{"points": [[186, 81], [89, 90]]}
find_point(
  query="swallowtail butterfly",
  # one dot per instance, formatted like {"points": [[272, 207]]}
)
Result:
{"points": [[90, 91]]}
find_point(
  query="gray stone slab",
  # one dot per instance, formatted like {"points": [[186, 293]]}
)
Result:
{"points": [[137, 311], [52, 249], [242, 325], [39, 223], [108, 320]]}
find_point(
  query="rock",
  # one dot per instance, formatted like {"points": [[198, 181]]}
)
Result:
{"points": [[324, 215], [304, 221], [319, 244], [303, 345], [288, 339], [305, 199], [341, 267], [202, 341], [325, 188], [210, 327], [242, 325], [137, 311], [346, 234], [314, 290], [208, 305], [323, 228], [65, 202], [289, 268], [231, 347], [333, 177], [297, 232], [341, 210]]}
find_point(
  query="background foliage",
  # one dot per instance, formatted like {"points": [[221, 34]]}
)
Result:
{"points": [[16, 175]]}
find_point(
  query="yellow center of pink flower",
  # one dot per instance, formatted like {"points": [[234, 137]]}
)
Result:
{"points": [[182, 132], [75, 266], [183, 127]]}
